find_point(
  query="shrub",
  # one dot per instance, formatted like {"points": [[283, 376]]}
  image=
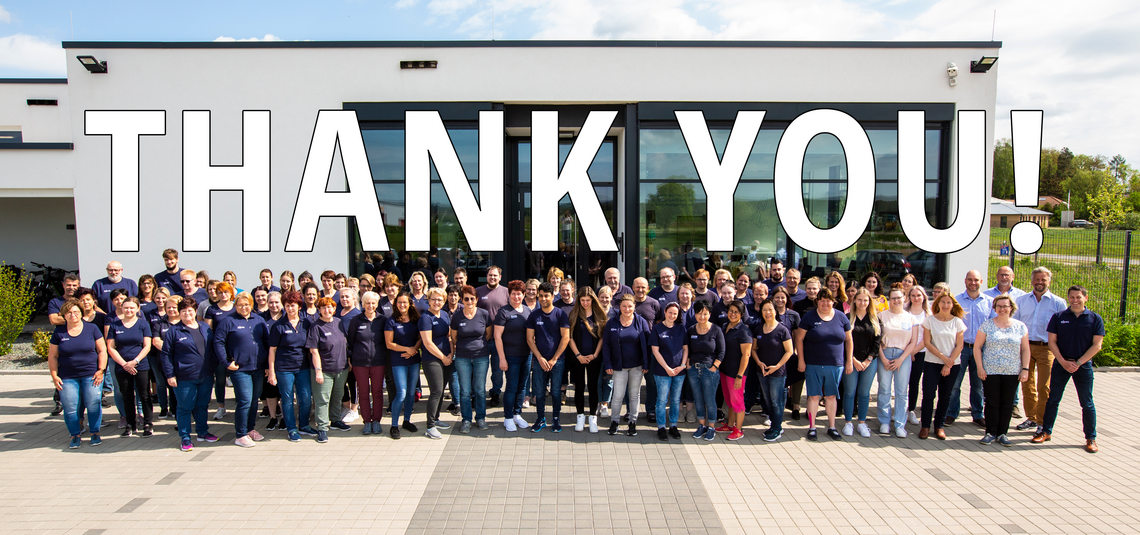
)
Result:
{"points": [[1121, 345], [41, 339], [16, 300]]}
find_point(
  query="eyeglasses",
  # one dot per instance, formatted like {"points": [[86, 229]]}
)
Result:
{"points": [[185, 281]]}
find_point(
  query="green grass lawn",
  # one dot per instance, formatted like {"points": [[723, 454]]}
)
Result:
{"points": [[1073, 242]]}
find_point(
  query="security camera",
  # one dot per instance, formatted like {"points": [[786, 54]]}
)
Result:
{"points": [[952, 72]]}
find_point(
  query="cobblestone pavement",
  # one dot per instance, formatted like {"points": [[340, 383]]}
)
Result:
{"points": [[499, 482]]}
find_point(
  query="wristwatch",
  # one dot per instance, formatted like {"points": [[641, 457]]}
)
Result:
{"points": [[739, 376]]}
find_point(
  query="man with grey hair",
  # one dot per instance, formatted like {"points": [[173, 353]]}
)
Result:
{"points": [[1004, 284], [1035, 310], [613, 280], [113, 281], [978, 308]]}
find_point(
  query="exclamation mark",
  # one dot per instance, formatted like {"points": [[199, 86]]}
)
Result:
{"points": [[1026, 236]]}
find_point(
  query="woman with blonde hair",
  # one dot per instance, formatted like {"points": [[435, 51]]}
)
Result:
{"points": [[919, 307], [900, 341], [287, 282], [838, 286], [867, 336], [943, 335]]}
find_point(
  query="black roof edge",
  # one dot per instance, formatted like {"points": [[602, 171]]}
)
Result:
{"points": [[531, 44], [33, 80]]}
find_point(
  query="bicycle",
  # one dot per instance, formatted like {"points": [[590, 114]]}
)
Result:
{"points": [[47, 284]]}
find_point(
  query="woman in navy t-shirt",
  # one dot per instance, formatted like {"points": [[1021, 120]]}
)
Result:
{"points": [[289, 368], [587, 319], [128, 344], [470, 330], [625, 356], [823, 339], [513, 354], [737, 351], [771, 350], [402, 335], [670, 359], [77, 358], [434, 326]]}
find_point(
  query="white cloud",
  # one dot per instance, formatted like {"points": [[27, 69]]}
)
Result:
{"points": [[405, 4], [5, 16], [268, 37], [449, 7], [28, 52]]}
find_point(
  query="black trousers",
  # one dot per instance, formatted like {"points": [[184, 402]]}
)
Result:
{"points": [[916, 368], [129, 386], [1000, 391], [934, 383], [585, 379]]}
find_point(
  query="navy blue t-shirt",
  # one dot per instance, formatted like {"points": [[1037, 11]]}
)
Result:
{"points": [[215, 314], [770, 347], [405, 334], [100, 321], [1075, 333], [670, 342], [824, 340], [346, 318], [54, 304], [663, 297], [470, 340], [78, 355], [705, 348], [244, 341], [583, 337], [624, 347], [733, 338], [332, 346], [650, 310], [366, 344], [103, 288], [385, 306], [440, 327], [291, 354], [170, 281], [547, 328], [148, 309], [514, 324], [129, 341], [421, 303]]}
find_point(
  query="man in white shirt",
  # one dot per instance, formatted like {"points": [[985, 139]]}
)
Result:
{"points": [[1035, 310]]}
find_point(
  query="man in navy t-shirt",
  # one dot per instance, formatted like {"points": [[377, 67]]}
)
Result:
{"points": [[114, 280], [169, 279], [1075, 337], [547, 334], [70, 284], [666, 291]]}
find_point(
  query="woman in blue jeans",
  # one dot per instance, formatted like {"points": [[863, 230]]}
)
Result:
{"points": [[289, 368], [242, 341], [670, 359], [188, 362], [867, 337], [402, 336], [513, 353], [706, 350], [900, 338], [77, 358], [771, 350], [470, 330]]}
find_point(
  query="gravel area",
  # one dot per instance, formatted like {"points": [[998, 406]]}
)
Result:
{"points": [[22, 357]]}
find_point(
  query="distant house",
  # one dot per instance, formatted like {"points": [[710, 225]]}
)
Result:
{"points": [[1004, 214], [1049, 200]]}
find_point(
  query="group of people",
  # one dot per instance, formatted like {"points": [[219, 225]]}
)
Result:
{"points": [[321, 356]]}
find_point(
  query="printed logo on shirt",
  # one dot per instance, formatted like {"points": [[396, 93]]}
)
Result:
{"points": [[615, 329], [326, 334], [694, 337], [181, 339], [362, 327], [538, 322], [287, 331], [241, 327], [463, 324]]}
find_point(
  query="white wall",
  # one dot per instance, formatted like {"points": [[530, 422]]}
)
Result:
{"points": [[43, 235], [295, 83]]}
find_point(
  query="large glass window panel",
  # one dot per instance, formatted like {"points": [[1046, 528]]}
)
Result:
{"points": [[672, 227]]}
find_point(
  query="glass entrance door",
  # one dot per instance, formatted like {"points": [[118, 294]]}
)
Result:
{"points": [[574, 256]]}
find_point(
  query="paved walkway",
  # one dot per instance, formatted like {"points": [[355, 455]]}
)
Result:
{"points": [[570, 482]]}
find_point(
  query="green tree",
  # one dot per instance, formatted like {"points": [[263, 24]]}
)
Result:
{"points": [[1106, 205], [670, 201], [16, 299], [1003, 185]]}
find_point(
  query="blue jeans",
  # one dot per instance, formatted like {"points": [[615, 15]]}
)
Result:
{"points": [[496, 373], [605, 386], [247, 389], [704, 383], [514, 392], [472, 384], [539, 378], [668, 393], [774, 395], [81, 392], [900, 381], [1083, 382], [857, 386], [286, 383], [405, 377], [193, 399], [977, 390]]}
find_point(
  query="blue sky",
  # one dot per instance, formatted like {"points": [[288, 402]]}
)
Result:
{"points": [[1079, 64]]}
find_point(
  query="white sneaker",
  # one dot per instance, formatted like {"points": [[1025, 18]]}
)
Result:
{"points": [[581, 423], [433, 433], [848, 429], [229, 383], [884, 429], [768, 422], [864, 431], [520, 423], [509, 424], [604, 412], [912, 418], [900, 432], [526, 402], [220, 413], [593, 424], [245, 442], [350, 416]]}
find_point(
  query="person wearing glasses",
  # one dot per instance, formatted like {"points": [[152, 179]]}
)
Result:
{"points": [[1001, 353], [434, 327], [188, 278], [77, 358], [402, 336]]}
